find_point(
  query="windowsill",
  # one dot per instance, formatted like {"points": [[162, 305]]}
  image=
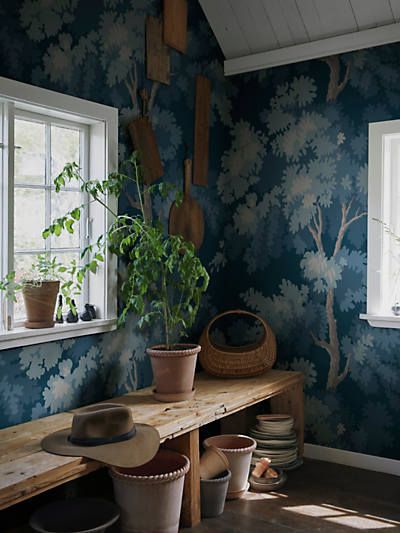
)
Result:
{"points": [[381, 321], [24, 337]]}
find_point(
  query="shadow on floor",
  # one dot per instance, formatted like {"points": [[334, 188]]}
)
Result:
{"points": [[318, 497]]}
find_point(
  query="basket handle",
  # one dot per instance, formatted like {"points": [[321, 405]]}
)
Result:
{"points": [[236, 312]]}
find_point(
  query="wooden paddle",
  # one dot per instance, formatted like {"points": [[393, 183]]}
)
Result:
{"points": [[187, 219], [144, 141]]}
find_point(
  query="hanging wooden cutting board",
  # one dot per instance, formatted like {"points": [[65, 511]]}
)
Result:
{"points": [[144, 141], [202, 130], [175, 24], [157, 53], [187, 219]]}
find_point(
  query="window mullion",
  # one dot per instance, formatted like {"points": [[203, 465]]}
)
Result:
{"points": [[48, 215], [85, 221], [7, 204]]}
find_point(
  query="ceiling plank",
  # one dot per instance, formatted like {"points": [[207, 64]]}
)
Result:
{"points": [[294, 21], [311, 19], [336, 17], [255, 25], [395, 5], [324, 47], [370, 13], [224, 24], [286, 21]]}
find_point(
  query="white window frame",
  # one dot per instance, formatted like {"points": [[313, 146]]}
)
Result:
{"points": [[84, 130], [102, 123], [381, 203]]}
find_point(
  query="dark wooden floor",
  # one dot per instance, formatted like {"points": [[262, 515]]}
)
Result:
{"points": [[317, 497]]}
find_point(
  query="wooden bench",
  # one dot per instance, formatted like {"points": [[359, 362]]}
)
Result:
{"points": [[26, 470]]}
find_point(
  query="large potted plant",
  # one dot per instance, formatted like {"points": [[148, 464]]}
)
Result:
{"points": [[165, 278], [39, 288]]}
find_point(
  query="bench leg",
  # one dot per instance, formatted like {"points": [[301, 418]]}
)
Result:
{"points": [[188, 444], [291, 402]]}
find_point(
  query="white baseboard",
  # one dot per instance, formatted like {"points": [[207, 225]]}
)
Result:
{"points": [[357, 460]]}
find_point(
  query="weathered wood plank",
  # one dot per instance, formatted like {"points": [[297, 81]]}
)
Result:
{"points": [[291, 401], [24, 439], [25, 470], [175, 24], [157, 53], [188, 444]]}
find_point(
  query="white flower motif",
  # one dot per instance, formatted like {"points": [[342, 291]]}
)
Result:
{"points": [[341, 137], [341, 429], [307, 368]]}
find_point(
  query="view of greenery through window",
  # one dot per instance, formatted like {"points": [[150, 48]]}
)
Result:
{"points": [[41, 151]]}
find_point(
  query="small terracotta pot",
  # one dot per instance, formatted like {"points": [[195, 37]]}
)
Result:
{"points": [[150, 496], [40, 303], [238, 449], [213, 494], [174, 371], [212, 463]]}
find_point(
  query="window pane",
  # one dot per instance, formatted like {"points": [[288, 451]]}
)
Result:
{"points": [[23, 266], [29, 219], [65, 145], [30, 142], [61, 203], [66, 259]]}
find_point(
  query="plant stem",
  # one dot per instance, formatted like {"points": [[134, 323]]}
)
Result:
{"points": [[165, 309], [97, 199], [139, 191]]}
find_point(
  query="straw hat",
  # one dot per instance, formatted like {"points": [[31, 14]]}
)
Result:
{"points": [[106, 432]]}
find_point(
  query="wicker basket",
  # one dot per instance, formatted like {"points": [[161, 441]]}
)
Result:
{"points": [[238, 362]]}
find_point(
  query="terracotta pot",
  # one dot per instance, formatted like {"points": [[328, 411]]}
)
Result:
{"points": [[40, 303], [238, 449], [173, 371], [86, 515], [212, 463], [150, 496], [213, 494]]}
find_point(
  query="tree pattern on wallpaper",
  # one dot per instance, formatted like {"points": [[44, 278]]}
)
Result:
{"points": [[96, 51], [295, 181], [286, 231]]}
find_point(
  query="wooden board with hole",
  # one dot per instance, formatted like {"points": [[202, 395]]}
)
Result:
{"points": [[26, 470], [175, 24], [157, 53]]}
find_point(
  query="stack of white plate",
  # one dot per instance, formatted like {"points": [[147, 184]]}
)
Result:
{"points": [[276, 439]]}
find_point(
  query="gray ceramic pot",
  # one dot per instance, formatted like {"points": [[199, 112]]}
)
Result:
{"points": [[81, 515], [213, 494]]}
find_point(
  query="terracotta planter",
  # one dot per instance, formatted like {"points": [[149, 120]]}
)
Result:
{"points": [[238, 449], [150, 496], [173, 371], [212, 463], [40, 303], [213, 494]]}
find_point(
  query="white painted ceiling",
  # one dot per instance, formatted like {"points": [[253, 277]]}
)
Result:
{"points": [[250, 27]]}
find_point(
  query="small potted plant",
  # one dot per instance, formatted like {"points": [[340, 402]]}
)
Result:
{"points": [[39, 288], [165, 278]]}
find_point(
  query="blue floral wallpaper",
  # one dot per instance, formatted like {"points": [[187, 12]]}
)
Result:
{"points": [[95, 50], [285, 210], [294, 179]]}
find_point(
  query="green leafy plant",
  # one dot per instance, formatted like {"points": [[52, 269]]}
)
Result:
{"points": [[44, 268], [165, 278]]}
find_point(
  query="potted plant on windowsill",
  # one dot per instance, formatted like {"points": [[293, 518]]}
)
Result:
{"points": [[40, 287], [165, 278]]}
